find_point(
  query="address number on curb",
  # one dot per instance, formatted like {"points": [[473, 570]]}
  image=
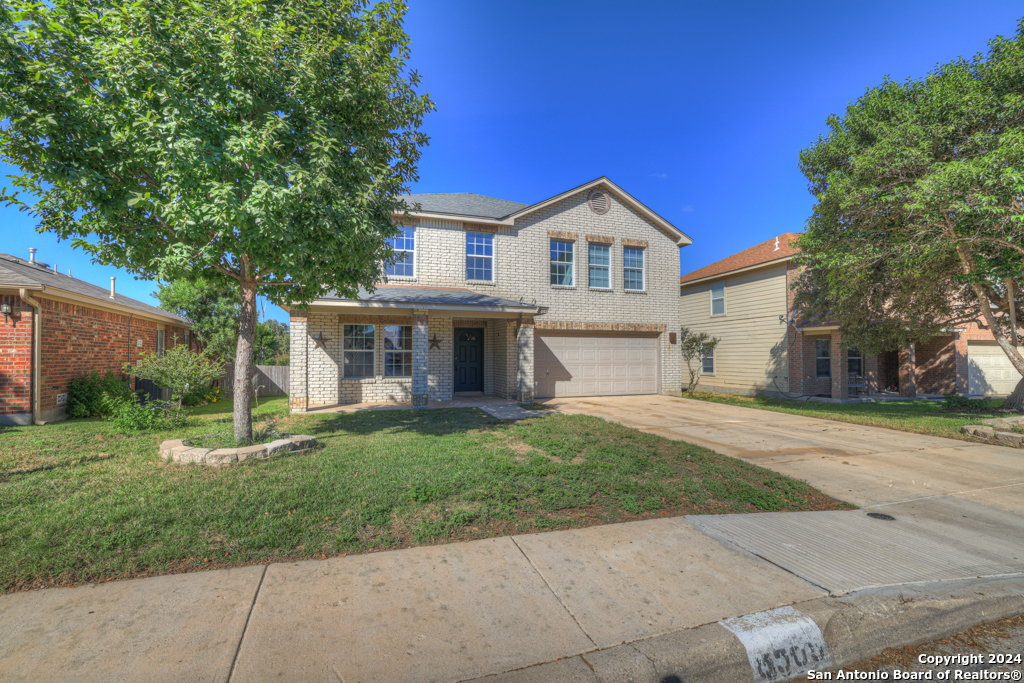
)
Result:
{"points": [[780, 643]]}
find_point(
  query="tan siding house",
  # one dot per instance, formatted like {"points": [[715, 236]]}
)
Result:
{"points": [[751, 357]]}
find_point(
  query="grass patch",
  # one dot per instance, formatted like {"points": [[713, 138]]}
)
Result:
{"points": [[81, 504], [535, 406], [921, 417]]}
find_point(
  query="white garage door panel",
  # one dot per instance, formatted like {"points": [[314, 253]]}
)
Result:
{"points": [[989, 370], [583, 365]]}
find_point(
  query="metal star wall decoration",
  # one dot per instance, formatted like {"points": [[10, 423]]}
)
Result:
{"points": [[320, 341], [435, 343]]}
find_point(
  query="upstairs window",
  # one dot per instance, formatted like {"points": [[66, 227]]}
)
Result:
{"points": [[855, 362], [404, 246], [358, 350], [718, 299], [600, 259], [707, 366], [633, 268], [479, 256], [561, 263], [398, 350], [823, 358]]}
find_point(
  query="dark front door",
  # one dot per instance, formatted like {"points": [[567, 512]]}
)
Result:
{"points": [[469, 359]]}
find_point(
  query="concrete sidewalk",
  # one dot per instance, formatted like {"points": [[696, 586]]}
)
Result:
{"points": [[703, 598]]}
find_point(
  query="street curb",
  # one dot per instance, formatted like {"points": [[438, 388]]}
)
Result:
{"points": [[855, 627]]}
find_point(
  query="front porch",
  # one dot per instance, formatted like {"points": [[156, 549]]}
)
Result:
{"points": [[439, 343]]}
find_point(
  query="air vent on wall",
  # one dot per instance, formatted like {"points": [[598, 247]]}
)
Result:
{"points": [[599, 201]]}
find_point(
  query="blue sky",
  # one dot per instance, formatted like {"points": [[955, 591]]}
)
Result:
{"points": [[698, 109]]}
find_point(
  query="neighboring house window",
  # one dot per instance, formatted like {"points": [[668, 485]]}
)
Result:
{"points": [[718, 299], [479, 256], [708, 364], [855, 363], [186, 341], [404, 246], [823, 357], [633, 268], [600, 259], [161, 342], [358, 347], [561, 263], [398, 350]]}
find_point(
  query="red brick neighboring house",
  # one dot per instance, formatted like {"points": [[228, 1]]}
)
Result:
{"points": [[747, 300], [60, 327]]}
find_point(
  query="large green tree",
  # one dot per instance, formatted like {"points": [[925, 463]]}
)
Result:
{"points": [[212, 306], [259, 141], [919, 220]]}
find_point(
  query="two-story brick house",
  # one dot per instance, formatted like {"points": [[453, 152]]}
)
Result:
{"points": [[576, 295]]}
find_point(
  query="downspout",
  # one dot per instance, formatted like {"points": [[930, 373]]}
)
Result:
{"points": [[37, 346]]}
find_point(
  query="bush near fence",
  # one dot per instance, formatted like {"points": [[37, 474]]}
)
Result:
{"points": [[272, 379]]}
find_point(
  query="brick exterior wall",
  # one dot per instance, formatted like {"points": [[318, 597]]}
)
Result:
{"points": [[76, 339], [16, 362], [521, 268], [936, 366]]}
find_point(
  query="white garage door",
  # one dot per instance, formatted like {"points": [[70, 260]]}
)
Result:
{"points": [[990, 371], [595, 365]]}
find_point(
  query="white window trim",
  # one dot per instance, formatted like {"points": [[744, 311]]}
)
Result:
{"points": [[415, 261], [711, 301], [575, 282], [817, 358], [643, 271], [493, 257], [378, 332], [714, 363], [610, 266]]}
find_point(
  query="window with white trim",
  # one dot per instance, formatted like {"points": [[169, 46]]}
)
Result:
{"points": [[358, 345], [707, 365], [633, 269], [718, 298], [479, 256], [404, 246], [823, 358], [599, 259], [562, 265], [398, 350], [161, 342]]}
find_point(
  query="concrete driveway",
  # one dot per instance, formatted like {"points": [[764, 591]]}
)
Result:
{"points": [[866, 466]]}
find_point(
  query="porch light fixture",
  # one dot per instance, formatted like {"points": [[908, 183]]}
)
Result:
{"points": [[6, 309]]}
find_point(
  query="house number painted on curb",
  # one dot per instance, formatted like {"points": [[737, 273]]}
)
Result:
{"points": [[781, 643]]}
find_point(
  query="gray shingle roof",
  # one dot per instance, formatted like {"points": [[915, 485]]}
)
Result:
{"points": [[16, 272], [462, 204], [429, 296]]}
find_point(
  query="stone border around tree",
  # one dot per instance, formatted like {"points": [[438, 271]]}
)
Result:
{"points": [[990, 431], [176, 451]]}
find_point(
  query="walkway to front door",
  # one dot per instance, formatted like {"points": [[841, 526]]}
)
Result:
{"points": [[469, 359]]}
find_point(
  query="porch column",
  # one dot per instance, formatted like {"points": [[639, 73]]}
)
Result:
{"points": [[524, 355], [420, 320], [908, 373], [962, 370], [840, 374], [298, 397]]}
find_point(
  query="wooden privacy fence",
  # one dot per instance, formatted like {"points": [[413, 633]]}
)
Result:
{"points": [[272, 379]]}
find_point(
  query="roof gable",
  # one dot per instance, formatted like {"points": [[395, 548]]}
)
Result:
{"points": [[457, 204], [775, 249]]}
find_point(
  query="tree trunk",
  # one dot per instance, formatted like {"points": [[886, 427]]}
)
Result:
{"points": [[244, 363], [1015, 401]]}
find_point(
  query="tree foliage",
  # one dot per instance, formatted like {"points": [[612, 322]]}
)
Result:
{"points": [[920, 206], [212, 306], [694, 346], [179, 369], [263, 143]]}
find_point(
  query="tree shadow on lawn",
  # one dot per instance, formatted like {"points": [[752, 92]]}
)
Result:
{"points": [[432, 422]]}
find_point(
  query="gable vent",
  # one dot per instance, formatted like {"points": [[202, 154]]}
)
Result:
{"points": [[599, 201]]}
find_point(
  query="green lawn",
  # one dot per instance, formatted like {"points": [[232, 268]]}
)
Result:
{"points": [[922, 417], [81, 504]]}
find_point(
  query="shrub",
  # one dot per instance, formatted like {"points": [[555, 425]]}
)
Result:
{"points": [[89, 395], [180, 370], [960, 403], [130, 415]]}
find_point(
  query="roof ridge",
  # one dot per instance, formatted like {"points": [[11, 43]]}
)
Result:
{"points": [[746, 258]]}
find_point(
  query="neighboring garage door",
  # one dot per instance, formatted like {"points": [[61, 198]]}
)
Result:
{"points": [[989, 369], [595, 365]]}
